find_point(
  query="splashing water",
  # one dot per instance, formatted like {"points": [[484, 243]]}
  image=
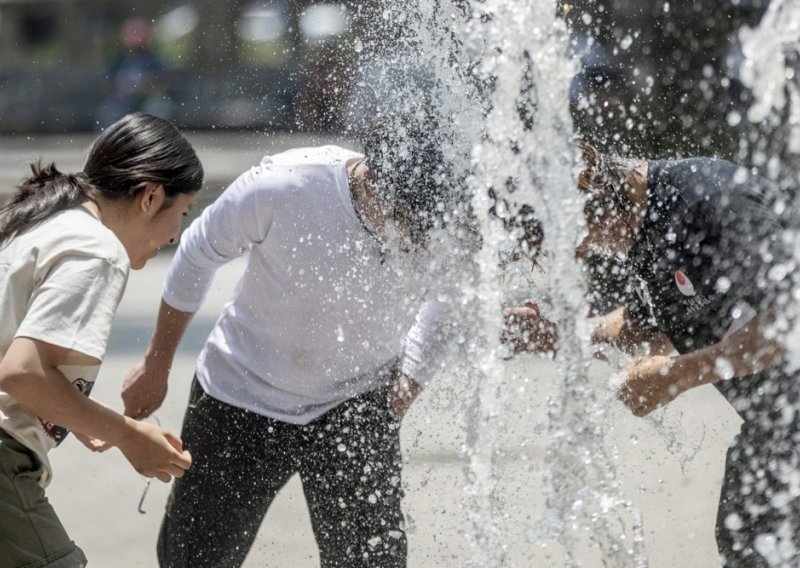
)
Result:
{"points": [[764, 69], [537, 154], [770, 70], [501, 75], [768, 50]]}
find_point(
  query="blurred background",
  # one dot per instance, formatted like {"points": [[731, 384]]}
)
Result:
{"points": [[663, 76], [77, 65]]}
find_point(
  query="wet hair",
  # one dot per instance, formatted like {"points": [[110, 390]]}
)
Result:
{"points": [[605, 179], [410, 172], [137, 150], [395, 115]]}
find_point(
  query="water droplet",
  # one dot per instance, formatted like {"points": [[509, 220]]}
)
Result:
{"points": [[723, 368]]}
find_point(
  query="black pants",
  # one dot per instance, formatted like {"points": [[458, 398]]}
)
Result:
{"points": [[349, 463], [758, 520]]}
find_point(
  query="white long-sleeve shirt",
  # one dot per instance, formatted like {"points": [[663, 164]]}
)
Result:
{"points": [[319, 309]]}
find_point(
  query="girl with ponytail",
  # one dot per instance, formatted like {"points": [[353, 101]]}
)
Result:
{"points": [[67, 242]]}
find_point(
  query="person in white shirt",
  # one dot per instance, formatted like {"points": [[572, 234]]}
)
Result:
{"points": [[333, 329], [66, 245]]}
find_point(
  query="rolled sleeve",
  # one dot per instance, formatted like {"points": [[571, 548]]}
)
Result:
{"points": [[428, 340]]}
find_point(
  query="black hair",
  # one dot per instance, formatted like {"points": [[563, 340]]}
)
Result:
{"points": [[410, 171], [395, 114], [137, 150], [605, 178]]}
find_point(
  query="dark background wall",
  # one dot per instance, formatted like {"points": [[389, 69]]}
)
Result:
{"points": [[658, 78]]}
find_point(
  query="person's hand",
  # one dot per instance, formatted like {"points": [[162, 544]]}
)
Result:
{"points": [[94, 444], [649, 384], [607, 327], [402, 393], [525, 329], [618, 330], [154, 451], [144, 389]]}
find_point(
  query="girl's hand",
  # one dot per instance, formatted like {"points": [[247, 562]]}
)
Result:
{"points": [[154, 451]]}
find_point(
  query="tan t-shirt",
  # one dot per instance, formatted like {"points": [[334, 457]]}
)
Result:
{"points": [[60, 282]]}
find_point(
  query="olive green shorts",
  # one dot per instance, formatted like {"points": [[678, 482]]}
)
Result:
{"points": [[31, 535]]}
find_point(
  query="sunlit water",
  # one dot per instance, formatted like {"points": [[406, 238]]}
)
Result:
{"points": [[528, 139], [499, 78], [498, 74]]}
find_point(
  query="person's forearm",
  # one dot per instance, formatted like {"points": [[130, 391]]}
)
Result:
{"points": [[742, 353], [49, 395], [427, 341], [170, 327], [638, 342], [145, 386], [402, 393], [617, 329]]}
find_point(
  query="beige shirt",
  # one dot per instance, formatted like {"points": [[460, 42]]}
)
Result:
{"points": [[60, 282]]}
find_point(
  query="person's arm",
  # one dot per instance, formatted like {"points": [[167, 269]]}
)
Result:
{"points": [[424, 347], [526, 330], [749, 244], [617, 328], [402, 394], [145, 386], [657, 380], [90, 442], [238, 219], [29, 374]]}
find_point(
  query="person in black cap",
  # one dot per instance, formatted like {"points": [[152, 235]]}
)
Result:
{"points": [[708, 274]]}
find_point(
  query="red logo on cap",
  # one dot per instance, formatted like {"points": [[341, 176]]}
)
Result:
{"points": [[684, 284]]}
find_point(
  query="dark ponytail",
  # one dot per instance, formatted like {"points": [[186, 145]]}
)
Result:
{"points": [[137, 150], [44, 192]]}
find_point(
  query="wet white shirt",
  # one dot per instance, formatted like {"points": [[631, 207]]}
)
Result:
{"points": [[320, 308]]}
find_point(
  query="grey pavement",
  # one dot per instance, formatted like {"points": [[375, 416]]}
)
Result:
{"points": [[669, 467]]}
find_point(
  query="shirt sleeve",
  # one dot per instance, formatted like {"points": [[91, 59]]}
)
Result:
{"points": [[426, 343], [74, 305], [240, 218]]}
